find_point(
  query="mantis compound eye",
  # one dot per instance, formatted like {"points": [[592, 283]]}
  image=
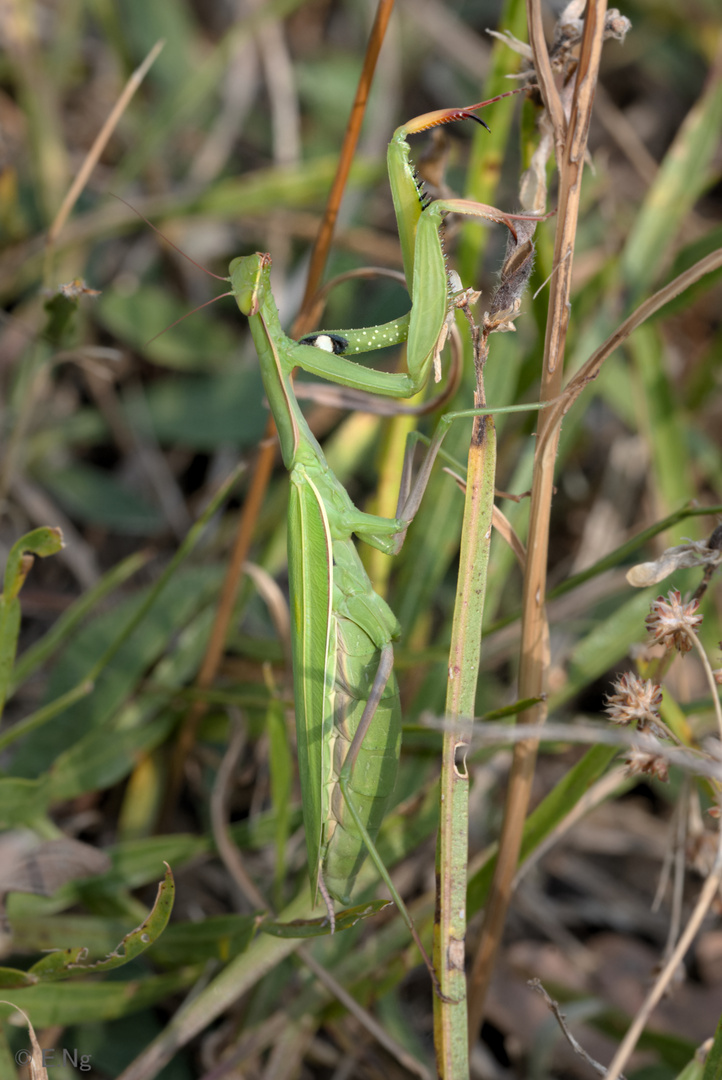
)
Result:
{"points": [[332, 343]]}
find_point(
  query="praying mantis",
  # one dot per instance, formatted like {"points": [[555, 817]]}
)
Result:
{"points": [[348, 715]]}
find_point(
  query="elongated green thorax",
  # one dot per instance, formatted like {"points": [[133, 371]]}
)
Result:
{"points": [[251, 282]]}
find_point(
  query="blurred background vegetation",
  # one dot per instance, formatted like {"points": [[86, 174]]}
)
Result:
{"points": [[229, 146]]}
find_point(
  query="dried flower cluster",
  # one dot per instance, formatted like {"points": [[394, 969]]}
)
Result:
{"points": [[641, 762], [673, 623], [637, 701]]}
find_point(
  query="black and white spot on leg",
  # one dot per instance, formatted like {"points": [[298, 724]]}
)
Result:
{"points": [[330, 343]]}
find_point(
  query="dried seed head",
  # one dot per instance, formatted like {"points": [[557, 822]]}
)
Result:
{"points": [[642, 763], [636, 701], [673, 623]]}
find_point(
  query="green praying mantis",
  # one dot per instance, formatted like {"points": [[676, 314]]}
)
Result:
{"points": [[348, 715]]}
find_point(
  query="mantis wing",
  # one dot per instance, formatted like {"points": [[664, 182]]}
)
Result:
{"points": [[310, 569]]}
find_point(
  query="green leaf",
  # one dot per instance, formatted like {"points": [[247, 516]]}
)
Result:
{"points": [[713, 1064], [135, 862], [186, 593], [69, 962], [201, 343], [94, 496], [560, 801], [605, 645], [12, 978], [220, 937], [204, 413], [103, 758], [42, 542], [21, 801], [83, 1002], [9, 630], [684, 174], [55, 965], [65, 626], [309, 928]]}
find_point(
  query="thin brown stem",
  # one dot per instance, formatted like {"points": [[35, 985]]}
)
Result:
{"points": [[535, 646], [707, 895], [101, 140], [545, 76], [353, 130]]}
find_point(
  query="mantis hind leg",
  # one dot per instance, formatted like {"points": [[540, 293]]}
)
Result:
{"points": [[383, 673], [326, 897]]}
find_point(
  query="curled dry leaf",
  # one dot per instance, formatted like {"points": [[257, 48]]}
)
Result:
{"points": [[35, 1061], [682, 557]]}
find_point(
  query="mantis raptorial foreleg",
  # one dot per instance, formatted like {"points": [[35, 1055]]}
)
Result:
{"points": [[434, 292]]}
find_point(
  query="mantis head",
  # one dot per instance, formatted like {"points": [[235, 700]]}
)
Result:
{"points": [[246, 274]]}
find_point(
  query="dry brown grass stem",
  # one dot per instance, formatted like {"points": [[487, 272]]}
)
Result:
{"points": [[545, 76], [707, 895], [364, 1017], [227, 849], [591, 368], [101, 141], [534, 645], [321, 248]]}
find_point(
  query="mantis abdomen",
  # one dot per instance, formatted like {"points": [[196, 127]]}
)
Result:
{"points": [[372, 780], [341, 631]]}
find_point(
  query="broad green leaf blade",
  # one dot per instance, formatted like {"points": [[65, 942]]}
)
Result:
{"points": [[200, 343], [219, 937], [64, 627], [84, 1002], [22, 802], [203, 413], [187, 593], [12, 979], [102, 758], [605, 644], [96, 497]]}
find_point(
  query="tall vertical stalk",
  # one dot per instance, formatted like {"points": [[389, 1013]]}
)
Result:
{"points": [[571, 144], [450, 1016]]}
